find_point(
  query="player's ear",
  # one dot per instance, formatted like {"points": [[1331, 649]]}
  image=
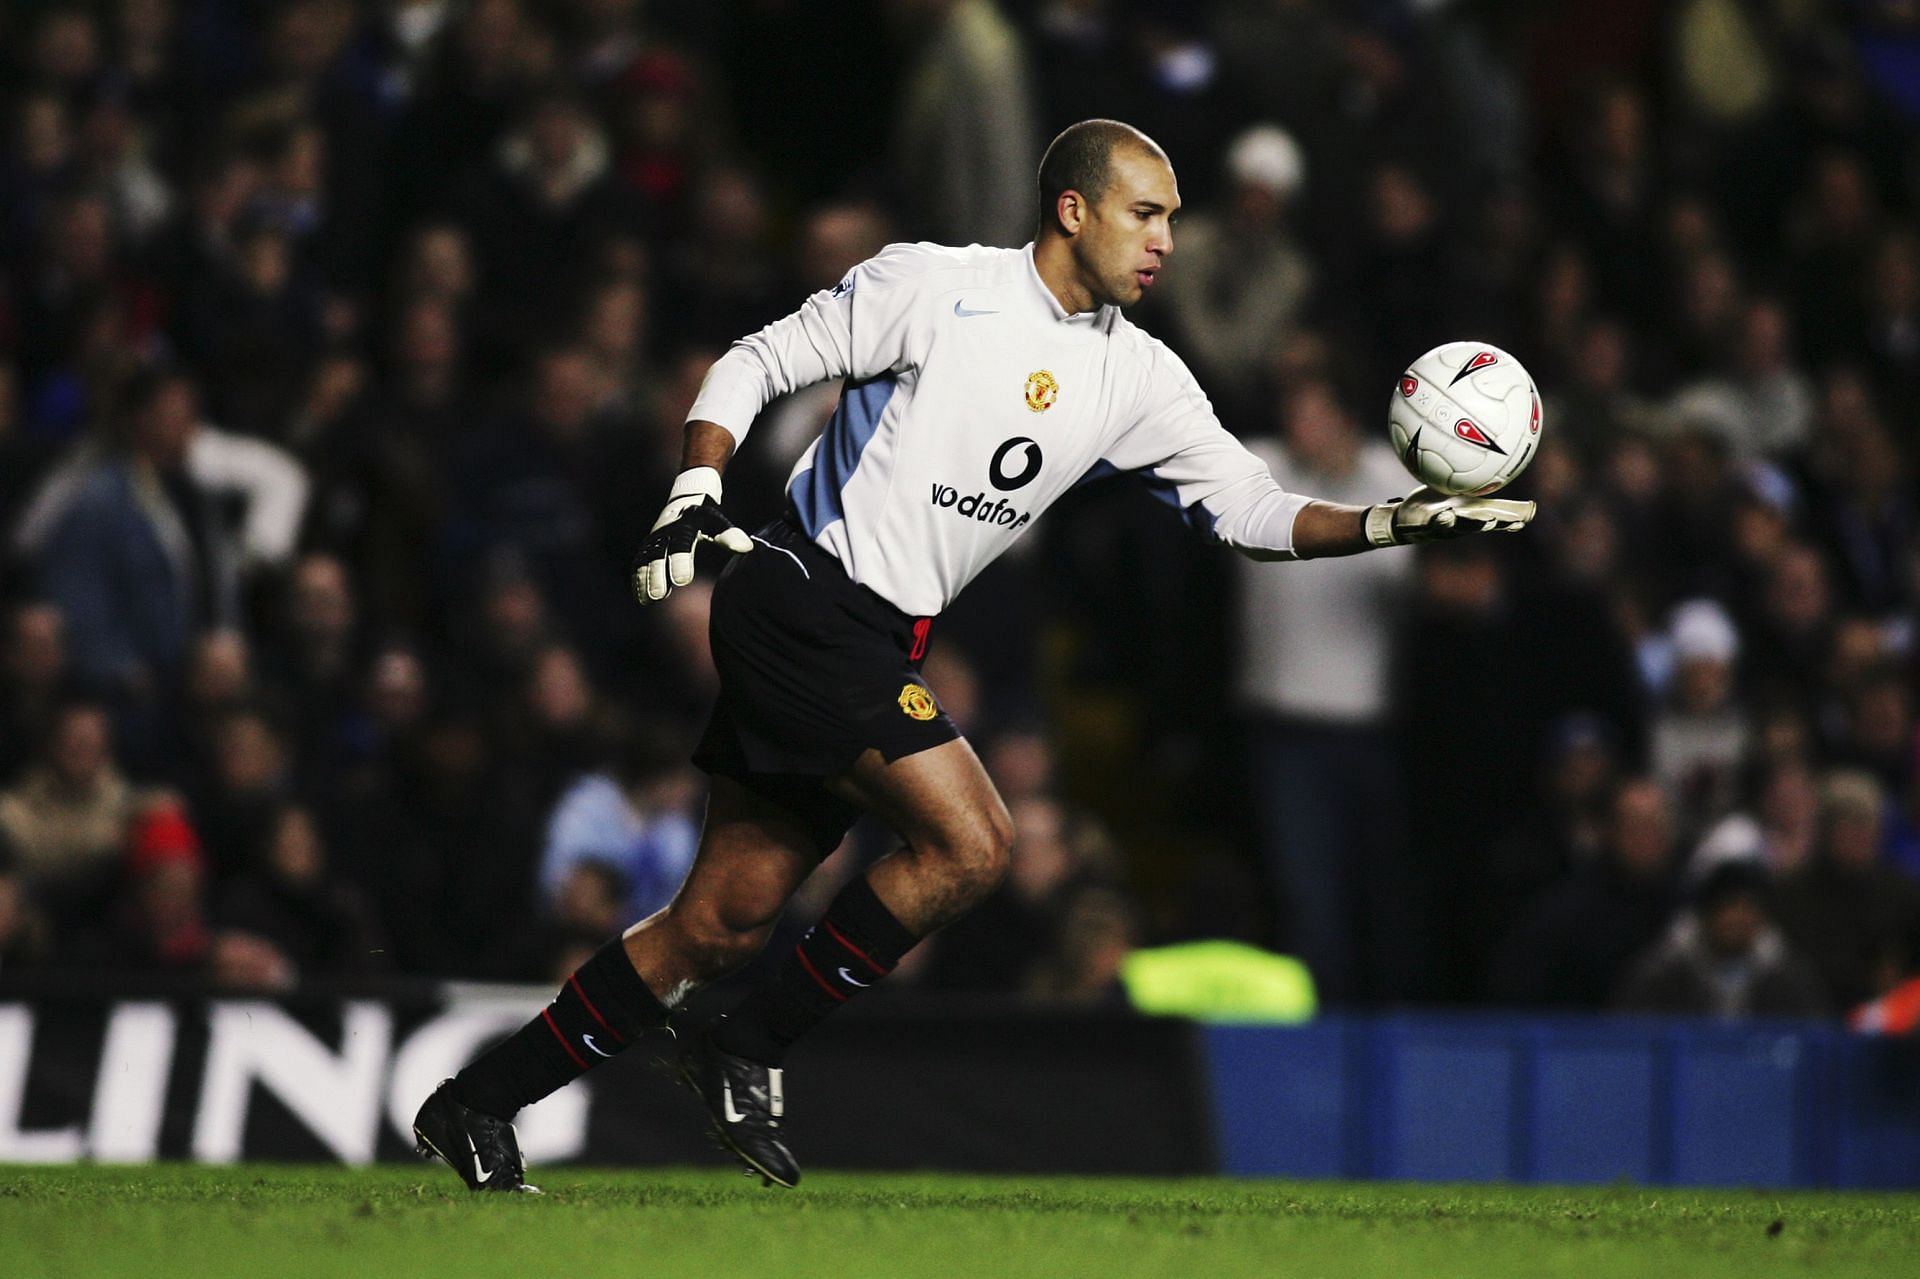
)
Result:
{"points": [[1072, 211]]}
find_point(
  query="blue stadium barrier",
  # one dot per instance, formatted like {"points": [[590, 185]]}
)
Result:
{"points": [[1566, 1100]]}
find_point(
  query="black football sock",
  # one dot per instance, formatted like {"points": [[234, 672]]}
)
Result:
{"points": [[603, 1009], [856, 943]]}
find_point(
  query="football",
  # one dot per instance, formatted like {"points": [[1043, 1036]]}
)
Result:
{"points": [[1465, 418]]}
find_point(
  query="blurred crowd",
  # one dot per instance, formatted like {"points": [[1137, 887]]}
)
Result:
{"points": [[344, 347]]}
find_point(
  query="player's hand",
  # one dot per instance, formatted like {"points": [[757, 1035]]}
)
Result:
{"points": [[1428, 515], [692, 516]]}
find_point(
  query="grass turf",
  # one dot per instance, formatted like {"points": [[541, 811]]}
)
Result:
{"points": [[395, 1221]]}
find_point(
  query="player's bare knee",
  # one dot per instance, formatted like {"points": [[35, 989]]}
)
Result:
{"points": [[978, 853], [714, 944], [716, 954]]}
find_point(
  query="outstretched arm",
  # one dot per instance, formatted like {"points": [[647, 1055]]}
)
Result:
{"points": [[1183, 449], [1325, 529]]}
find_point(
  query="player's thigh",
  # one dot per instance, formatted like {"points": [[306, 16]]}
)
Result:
{"points": [[940, 798], [752, 856]]}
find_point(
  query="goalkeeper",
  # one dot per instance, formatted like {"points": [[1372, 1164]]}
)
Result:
{"points": [[979, 386]]}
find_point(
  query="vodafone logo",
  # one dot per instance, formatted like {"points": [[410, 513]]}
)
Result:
{"points": [[1467, 430], [979, 506], [1408, 385], [1533, 423], [1030, 456]]}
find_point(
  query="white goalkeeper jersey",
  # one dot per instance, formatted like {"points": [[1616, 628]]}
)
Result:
{"points": [[972, 401]]}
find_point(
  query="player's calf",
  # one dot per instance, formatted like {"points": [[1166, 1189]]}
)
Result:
{"points": [[601, 1011]]}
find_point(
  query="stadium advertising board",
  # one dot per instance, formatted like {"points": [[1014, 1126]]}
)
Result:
{"points": [[226, 1080], [90, 1077]]}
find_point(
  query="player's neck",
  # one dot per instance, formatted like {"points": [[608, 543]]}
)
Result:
{"points": [[1053, 260]]}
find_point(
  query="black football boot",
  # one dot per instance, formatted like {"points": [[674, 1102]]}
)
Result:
{"points": [[746, 1102], [481, 1148]]}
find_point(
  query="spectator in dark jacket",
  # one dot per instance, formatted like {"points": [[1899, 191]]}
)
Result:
{"points": [[291, 898], [33, 668], [138, 559], [524, 488], [247, 778], [1856, 919], [1723, 957], [1577, 938]]}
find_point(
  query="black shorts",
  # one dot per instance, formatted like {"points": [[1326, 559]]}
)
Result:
{"points": [[815, 669]]}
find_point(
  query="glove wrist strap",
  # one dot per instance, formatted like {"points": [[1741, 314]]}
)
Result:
{"points": [[696, 481], [1380, 530]]}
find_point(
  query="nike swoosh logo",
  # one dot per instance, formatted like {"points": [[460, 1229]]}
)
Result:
{"points": [[726, 1105], [850, 979], [588, 1041], [960, 309], [480, 1173]]}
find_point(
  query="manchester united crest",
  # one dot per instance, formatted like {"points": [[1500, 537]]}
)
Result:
{"points": [[917, 703], [1042, 389]]}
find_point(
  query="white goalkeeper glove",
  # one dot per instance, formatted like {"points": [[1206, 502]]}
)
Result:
{"points": [[1428, 515], [692, 516]]}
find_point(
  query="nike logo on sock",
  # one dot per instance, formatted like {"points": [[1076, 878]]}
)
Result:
{"points": [[588, 1041], [851, 980]]}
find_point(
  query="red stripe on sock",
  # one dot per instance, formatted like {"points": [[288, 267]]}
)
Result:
{"points": [[815, 974], [864, 958], [578, 1060], [573, 980]]}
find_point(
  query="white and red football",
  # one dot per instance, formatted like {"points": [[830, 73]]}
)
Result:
{"points": [[1465, 418]]}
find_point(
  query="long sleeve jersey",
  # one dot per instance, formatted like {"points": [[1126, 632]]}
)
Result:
{"points": [[972, 402]]}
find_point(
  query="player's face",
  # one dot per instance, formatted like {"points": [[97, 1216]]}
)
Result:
{"points": [[1128, 233]]}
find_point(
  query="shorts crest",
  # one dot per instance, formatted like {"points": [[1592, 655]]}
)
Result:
{"points": [[917, 703]]}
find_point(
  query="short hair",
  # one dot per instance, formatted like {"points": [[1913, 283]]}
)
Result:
{"points": [[1081, 159]]}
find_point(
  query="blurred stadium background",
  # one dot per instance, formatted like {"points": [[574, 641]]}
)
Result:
{"points": [[343, 354]]}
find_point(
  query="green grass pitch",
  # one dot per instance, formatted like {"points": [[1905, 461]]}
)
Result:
{"points": [[276, 1221]]}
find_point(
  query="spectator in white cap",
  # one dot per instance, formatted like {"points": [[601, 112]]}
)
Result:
{"points": [[1700, 737], [1778, 829], [1244, 279]]}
